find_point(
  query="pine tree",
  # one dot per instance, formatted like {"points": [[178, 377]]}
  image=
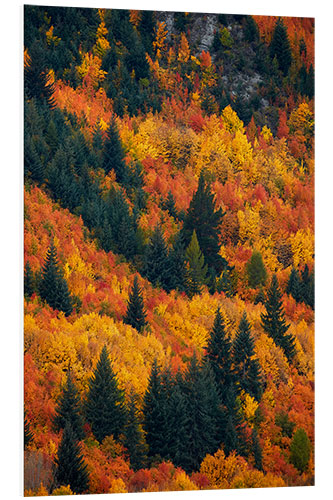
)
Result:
{"points": [[155, 422], [33, 166], [135, 314], [169, 205], [28, 435], [256, 270], [233, 432], [300, 450], [202, 218], [306, 292], [218, 352], [114, 157], [294, 285], [274, 323], [196, 273], [177, 268], [256, 450], [104, 406], [246, 367], [29, 281], [70, 467], [134, 440], [156, 264], [203, 412], [280, 46], [36, 82], [69, 409], [53, 287], [179, 421]]}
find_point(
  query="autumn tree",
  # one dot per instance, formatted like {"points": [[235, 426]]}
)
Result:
{"points": [[196, 272], [104, 407], [53, 287], [135, 314], [69, 409], [246, 368], [205, 220], [274, 323], [70, 467]]}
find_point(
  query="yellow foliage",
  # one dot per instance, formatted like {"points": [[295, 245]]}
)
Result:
{"points": [[241, 151], [301, 120], [221, 470], [249, 224], [184, 50], [257, 479], [50, 37], [249, 407], [91, 64], [302, 245], [159, 43], [118, 486], [62, 491], [181, 482], [231, 121], [267, 134]]}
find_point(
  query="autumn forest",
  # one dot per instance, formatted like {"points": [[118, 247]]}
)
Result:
{"points": [[168, 251]]}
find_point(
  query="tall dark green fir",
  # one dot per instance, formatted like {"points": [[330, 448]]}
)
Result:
{"points": [[69, 408], [134, 439], [136, 314], [280, 46]]}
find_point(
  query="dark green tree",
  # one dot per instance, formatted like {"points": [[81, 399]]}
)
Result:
{"points": [[280, 47], [219, 355], [36, 82], [274, 323], [155, 411], [177, 268], [294, 285], [28, 434], [287, 426], [179, 421], [246, 368], [29, 281], [53, 286], [202, 218], [104, 407], [256, 450], [134, 440], [69, 409], [114, 157], [135, 314], [169, 205], [196, 269], [306, 292], [251, 31], [233, 433], [33, 166], [256, 271], [156, 264], [300, 450], [70, 467]]}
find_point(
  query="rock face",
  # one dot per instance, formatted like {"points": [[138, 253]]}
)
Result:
{"points": [[203, 31]]}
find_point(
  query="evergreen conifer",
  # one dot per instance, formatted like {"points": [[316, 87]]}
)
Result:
{"points": [[280, 46], [134, 440], [29, 281], [135, 314], [196, 272], [69, 409], [70, 467], [256, 270], [113, 152], [104, 406], [156, 263], [274, 323]]}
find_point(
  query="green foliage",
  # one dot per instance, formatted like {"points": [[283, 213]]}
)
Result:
{"points": [[156, 263], [274, 323], [113, 152], [29, 281], [202, 218], [256, 270], [246, 368], [256, 450], [36, 84], [69, 409], [196, 273], [287, 426], [134, 440], [104, 406], [70, 467], [177, 269], [251, 31], [300, 450], [135, 314], [280, 46], [294, 284], [53, 286]]}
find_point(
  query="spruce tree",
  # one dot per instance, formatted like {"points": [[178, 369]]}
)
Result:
{"points": [[53, 287], [156, 264], [114, 157], [28, 434], [274, 323], [155, 421], [36, 82], [177, 268], [256, 270], [307, 287], [33, 166], [294, 285], [104, 406], [134, 439], [70, 467], [196, 272], [169, 205], [218, 353], [135, 314], [256, 450], [69, 409], [280, 47], [179, 420], [300, 450], [29, 281], [233, 430], [205, 220], [246, 367]]}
